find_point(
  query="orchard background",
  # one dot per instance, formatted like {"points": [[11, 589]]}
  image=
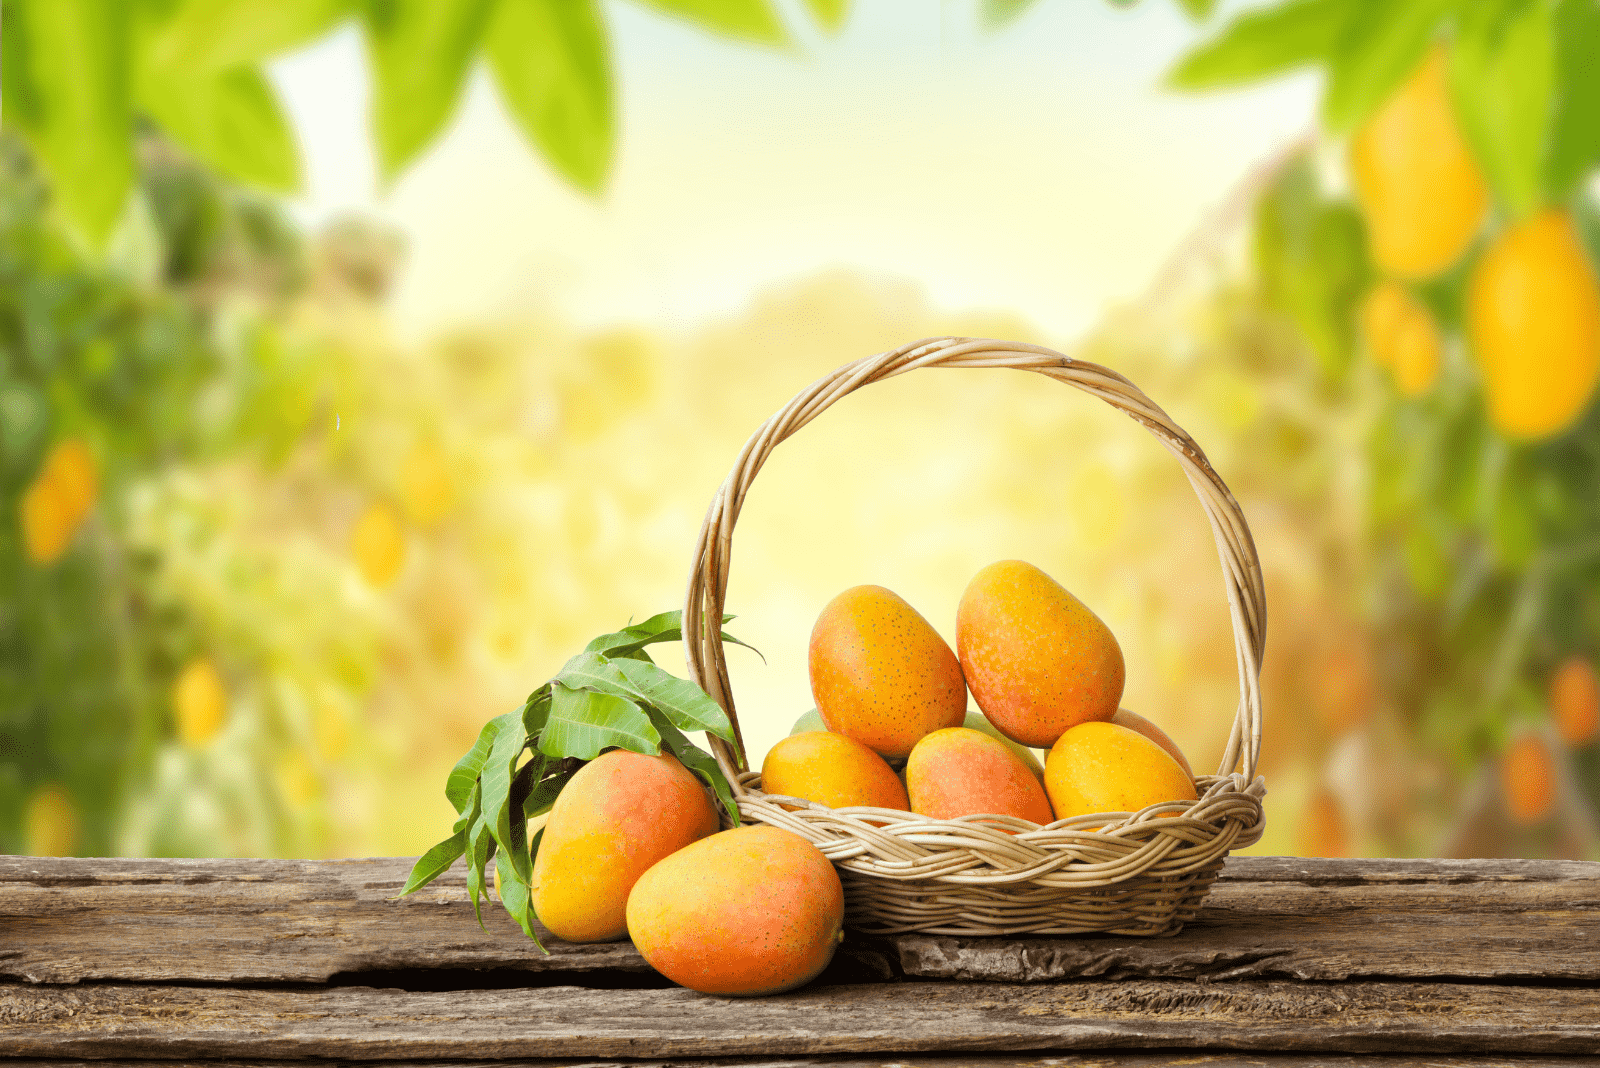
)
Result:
{"points": [[268, 561]]}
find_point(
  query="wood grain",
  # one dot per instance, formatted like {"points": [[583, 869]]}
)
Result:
{"points": [[239, 921], [171, 1021], [75, 920], [1124, 1058]]}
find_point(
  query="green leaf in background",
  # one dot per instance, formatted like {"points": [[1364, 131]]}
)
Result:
{"points": [[1502, 82], [212, 35], [435, 862], [998, 14], [1574, 147], [230, 120], [748, 20], [24, 416], [73, 106], [498, 771], [420, 51], [460, 785], [1258, 44], [583, 722], [1382, 42], [551, 61], [696, 760], [829, 13]]}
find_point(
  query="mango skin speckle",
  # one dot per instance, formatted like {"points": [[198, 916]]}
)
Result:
{"points": [[1037, 660], [881, 674]]}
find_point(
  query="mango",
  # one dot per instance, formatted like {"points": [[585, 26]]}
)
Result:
{"points": [[881, 674], [1104, 767], [808, 721], [1135, 722], [963, 772], [621, 813], [833, 770], [752, 911], [976, 721], [1038, 662]]}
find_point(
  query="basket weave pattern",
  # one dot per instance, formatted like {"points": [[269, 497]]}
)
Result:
{"points": [[1142, 873]]}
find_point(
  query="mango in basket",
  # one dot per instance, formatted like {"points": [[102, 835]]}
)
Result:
{"points": [[808, 721], [1103, 767], [1037, 660], [832, 770], [976, 721], [963, 772], [616, 817], [881, 674], [755, 910], [1135, 722]]}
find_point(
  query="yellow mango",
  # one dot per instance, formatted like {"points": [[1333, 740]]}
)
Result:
{"points": [[1037, 660], [1104, 767], [833, 770], [881, 674], [616, 817]]}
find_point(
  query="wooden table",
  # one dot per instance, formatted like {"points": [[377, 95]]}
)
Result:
{"points": [[1292, 962]]}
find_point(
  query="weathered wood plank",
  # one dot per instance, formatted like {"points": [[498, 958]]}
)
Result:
{"points": [[1090, 1059], [116, 1020], [66, 921]]}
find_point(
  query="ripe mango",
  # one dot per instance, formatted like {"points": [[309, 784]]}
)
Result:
{"points": [[1135, 722], [1103, 767], [963, 772], [833, 770], [751, 911], [881, 674], [1037, 660], [976, 721], [616, 817]]}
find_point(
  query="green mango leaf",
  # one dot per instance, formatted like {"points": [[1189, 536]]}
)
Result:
{"points": [[435, 862], [1382, 43], [551, 61], [665, 627], [512, 861], [517, 900], [480, 847], [1574, 144], [544, 795], [1265, 42], [998, 14], [498, 772], [749, 20], [535, 711], [208, 36], [72, 89], [231, 120], [583, 722], [696, 760], [1503, 82], [420, 52], [829, 13], [685, 704], [462, 781]]}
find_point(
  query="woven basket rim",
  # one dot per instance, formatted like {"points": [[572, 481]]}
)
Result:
{"points": [[1139, 848]]}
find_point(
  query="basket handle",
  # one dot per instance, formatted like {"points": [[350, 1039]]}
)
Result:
{"points": [[1241, 567]]}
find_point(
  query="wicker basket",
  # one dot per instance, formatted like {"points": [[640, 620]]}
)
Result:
{"points": [[1141, 873]]}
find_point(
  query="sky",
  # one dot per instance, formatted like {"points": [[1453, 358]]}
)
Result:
{"points": [[1037, 169]]}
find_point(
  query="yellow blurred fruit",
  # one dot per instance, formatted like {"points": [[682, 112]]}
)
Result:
{"points": [[1575, 701], [1528, 779], [47, 523], [199, 702], [330, 731], [1533, 316], [1417, 182], [71, 468], [379, 545], [426, 487], [298, 784], [1403, 336], [50, 823], [1323, 831]]}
